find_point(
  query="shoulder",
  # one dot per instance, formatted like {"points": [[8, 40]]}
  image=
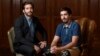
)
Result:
{"points": [[19, 20], [60, 26], [74, 23]]}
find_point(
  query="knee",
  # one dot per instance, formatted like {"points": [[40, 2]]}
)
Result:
{"points": [[30, 53]]}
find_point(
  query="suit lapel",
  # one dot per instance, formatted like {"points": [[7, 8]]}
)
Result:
{"points": [[25, 22], [25, 26]]}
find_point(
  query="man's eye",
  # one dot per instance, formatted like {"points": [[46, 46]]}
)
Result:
{"points": [[27, 8], [61, 15], [65, 14]]}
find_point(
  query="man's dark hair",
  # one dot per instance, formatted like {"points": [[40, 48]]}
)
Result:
{"points": [[25, 3], [67, 9]]}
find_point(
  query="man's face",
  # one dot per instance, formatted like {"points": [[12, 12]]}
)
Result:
{"points": [[28, 10], [65, 17]]}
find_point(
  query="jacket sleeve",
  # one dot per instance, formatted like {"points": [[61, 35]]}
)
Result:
{"points": [[41, 30]]}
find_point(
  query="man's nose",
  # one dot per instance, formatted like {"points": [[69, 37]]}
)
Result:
{"points": [[63, 17], [29, 9]]}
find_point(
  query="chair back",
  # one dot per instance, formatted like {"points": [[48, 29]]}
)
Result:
{"points": [[11, 37]]}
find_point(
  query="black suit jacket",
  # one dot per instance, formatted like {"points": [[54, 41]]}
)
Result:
{"points": [[22, 31]]}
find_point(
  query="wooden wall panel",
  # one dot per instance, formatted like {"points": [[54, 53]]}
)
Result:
{"points": [[49, 6], [0, 21], [94, 9], [5, 20], [40, 7], [84, 8], [16, 10], [99, 15]]}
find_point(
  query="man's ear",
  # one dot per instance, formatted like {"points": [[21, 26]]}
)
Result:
{"points": [[23, 11]]}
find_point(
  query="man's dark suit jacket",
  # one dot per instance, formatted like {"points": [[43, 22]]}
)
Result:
{"points": [[22, 32]]}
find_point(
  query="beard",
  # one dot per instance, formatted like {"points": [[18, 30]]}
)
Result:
{"points": [[65, 21], [28, 14]]}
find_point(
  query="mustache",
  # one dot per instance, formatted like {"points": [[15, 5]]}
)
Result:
{"points": [[30, 12], [64, 18]]}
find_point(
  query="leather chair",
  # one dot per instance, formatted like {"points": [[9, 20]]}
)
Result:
{"points": [[11, 36], [88, 28]]}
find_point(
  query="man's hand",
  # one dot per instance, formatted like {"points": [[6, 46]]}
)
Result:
{"points": [[37, 49], [54, 49], [43, 44]]}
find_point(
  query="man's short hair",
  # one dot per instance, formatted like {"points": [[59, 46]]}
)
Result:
{"points": [[25, 3], [67, 9]]}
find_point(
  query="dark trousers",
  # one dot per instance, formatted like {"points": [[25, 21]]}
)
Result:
{"points": [[29, 50], [25, 50]]}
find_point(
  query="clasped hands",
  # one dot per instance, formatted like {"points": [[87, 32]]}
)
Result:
{"points": [[38, 48], [55, 49]]}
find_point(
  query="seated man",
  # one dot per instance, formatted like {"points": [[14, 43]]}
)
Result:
{"points": [[26, 28], [68, 33]]}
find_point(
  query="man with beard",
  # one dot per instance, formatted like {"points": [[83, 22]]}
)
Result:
{"points": [[26, 28], [68, 33]]}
